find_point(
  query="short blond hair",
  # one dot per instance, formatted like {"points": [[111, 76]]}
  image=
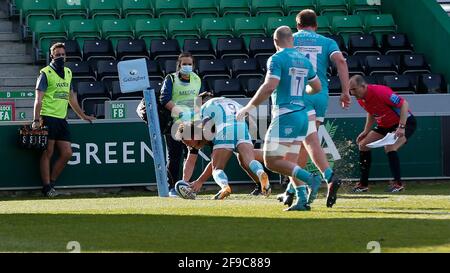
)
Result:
{"points": [[56, 46]]}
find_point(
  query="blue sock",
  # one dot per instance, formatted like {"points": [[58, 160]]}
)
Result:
{"points": [[221, 178], [327, 174], [290, 188], [301, 174], [302, 195], [256, 167]]}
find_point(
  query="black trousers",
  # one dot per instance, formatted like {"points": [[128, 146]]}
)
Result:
{"points": [[176, 152]]}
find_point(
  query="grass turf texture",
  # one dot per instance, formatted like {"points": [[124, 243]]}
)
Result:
{"points": [[417, 220]]}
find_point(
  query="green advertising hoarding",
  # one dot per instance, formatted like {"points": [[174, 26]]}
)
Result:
{"points": [[118, 154]]}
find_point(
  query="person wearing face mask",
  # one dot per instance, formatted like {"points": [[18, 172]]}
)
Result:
{"points": [[178, 94], [54, 92]]}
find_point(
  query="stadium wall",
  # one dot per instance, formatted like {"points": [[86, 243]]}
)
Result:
{"points": [[427, 26], [106, 154]]}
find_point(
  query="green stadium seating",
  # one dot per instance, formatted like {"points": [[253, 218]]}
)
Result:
{"points": [[274, 22], [361, 7], [71, 10], [323, 25], [181, 29], [34, 10], [267, 8], [347, 25], [171, 9], [332, 7], [148, 29], [382, 23], [214, 28], [81, 30], [293, 7], [116, 29], [44, 32], [234, 8], [247, 27], [100, 10], [199, 9], [137, 9]]}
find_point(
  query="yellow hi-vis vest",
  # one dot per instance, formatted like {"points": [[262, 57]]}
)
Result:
{"points": [[56, 98]]}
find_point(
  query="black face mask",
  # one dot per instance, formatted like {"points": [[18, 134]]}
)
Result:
{"points": [[59, 62]]}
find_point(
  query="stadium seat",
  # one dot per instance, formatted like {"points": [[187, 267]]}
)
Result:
{"points": [[346, 25], [95, 107], [376, 79], [234, 8], [260, 46], [431, 83], [213, 69], [101, 49], [116, 94], [363, 44], [44, 32], [131, 49], [380, 65], [246, 68], [154, 70], [399, 83], [81, 30], [380, 24], [81, 70], [267, 8], [100, 10], [262, 61], [137, 9], [181, 29], [274, 22], [148, 29], [414, 63], [231, 48], [168, 66], [201, 49], [293, 7], [355, 66], [362, 7], [215, 28], [340, 42], [334, 85], [170, 9], [228, 88], [248, 27], [34, 10], [107, 70], [323, 25], [396, 43], [90, 90], [164, 49], [156, 85], [73, 50], [71, 10], [251, 86], [199, 9], [332, 7], [116, 29]]}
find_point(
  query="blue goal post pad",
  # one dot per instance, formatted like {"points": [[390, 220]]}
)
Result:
{"points": [[133, 75]]}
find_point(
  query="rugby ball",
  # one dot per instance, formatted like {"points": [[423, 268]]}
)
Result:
{"points": [[184, 191]]}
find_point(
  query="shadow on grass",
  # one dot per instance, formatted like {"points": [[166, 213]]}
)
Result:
{"points": [[169, 233]]}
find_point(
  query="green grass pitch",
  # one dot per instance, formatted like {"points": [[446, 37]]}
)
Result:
{"points": [[417, 220]]}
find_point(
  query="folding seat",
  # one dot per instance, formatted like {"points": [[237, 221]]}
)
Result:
{"points": [[116, 94], [363, 44], [215, 28], [380, 24], [100, 10], [431, 83], [164, 49], [154, 70], [375, 79], [170, 9], [148, 29], [332, 7], [414, 63], [90, 91], [380, 65], [247, 27], [201, 49], [355, 67], [156, 85], [81, 70], [334, 85], [362, 7], [261, 46], [231, 48], [274, 22], [234, 8], [44, 32], [101, 49], [199, 9], [181, 29], [81, 30], [396, 43], [267, 8], [137, 9], [69, 10], [262, 61], [213, 69], [252, 85], [293, 7], [95, 107], [399, 83], [114, 30], [131, 49], [340, 42], [346, 25], [228, 88], [246, 68], [168, 66], [35, 10], [107, 70]]}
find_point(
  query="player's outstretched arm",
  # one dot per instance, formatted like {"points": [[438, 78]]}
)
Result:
{"points": [[189, 166], [207, 173]]}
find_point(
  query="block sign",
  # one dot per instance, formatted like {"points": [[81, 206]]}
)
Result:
{"points": [[7, 111]]}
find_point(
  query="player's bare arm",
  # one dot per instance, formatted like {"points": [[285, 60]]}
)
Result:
{"points": [[342, 68]]}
